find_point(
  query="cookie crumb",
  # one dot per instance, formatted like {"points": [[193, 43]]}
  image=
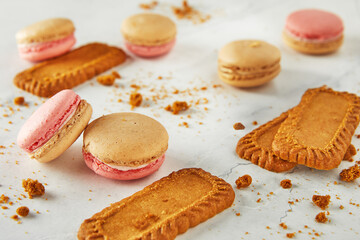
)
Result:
{"points": [[350, 152], [341, 207], [106, 80], [321, 201], [238, 126], [177, 107], [135, 100], [15, 217], [255, 123], [244, 181], [19, 100], [187, 12], [350, 174], [4, 207], [22, 211], [283, 225], [237, 214], [148, 6], [286, 183], [4, 199], [33, 187], [116, 74], [321, 217], [290, 235]]}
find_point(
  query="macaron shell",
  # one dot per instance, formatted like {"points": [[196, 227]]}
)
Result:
{"points": [[47, 119], [314, 24], [150, 51], [53, 49], [315, 48], [106, 171], [126, 139], [148, 29], [46, 30], [66, 136], [249, 53]]}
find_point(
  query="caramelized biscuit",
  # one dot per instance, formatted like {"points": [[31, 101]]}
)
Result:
{"points": [[256, 147], [69, 70], [318, 131], [161, 210]]}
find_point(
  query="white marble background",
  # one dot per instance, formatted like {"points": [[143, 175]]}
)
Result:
{"points": [[211, 146]]}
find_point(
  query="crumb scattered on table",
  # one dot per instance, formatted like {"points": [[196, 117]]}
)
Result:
{"points": [[321, 217], [321, 201], [22, 211], [116, 74], [350, 152], [244, 181], [33, 187], [135, 100], [106, 80], [255, 123], [148, 6], [238, 126], [290, 235], [283, 225], [177, 107], [350, 174], [187, 12], [4, 199], [286, 183], [19, 100]]}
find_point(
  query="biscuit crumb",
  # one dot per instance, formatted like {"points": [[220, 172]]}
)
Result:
{"points": [[22, 211], [238, 126], [187, 12], [350, 174], [290, 235], [19, 100], [116, 74], [341, 207], [350, 152], [321, 201], [4, 199], [177, 107], [237, 214], [4, 207], [286, 183], [106, 80], [255, 123], [244, 181], [148, 6], [135, 100], [283, 225], [321, 217], [33, 187], [15, 217]]}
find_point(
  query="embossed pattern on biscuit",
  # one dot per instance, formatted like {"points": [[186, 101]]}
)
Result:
{"points": [[69, 70], [162, 210], [318, 131], [256, 147]]}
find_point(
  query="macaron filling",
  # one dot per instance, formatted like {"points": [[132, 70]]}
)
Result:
{"points": [[299, 37], [150, 51], [121, 172], [44, 50], [31, 146]]}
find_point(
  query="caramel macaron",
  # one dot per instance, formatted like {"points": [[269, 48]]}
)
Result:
{"points": [[149, 34], [125, 146], [248, 63]]}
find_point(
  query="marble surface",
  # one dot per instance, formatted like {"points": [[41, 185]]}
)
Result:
{"points": [[74, 193]]}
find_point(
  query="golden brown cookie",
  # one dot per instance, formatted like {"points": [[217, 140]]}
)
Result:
{"points": [[160, 210], [256, 147], [67, 71], [318, 131]]}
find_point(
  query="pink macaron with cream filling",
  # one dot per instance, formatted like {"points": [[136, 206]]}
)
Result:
{"points": [[148, 34], [125, 146], [46, 39], [54, 126]]}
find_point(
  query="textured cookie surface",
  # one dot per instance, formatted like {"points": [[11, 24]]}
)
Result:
{"points": [[162, 210], [318, 131], [67, 71], [256, 147]]}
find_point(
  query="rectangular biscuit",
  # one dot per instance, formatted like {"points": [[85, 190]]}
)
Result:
{"points": [[256, 147], [69, 70], [162, 210], [318, 131]]}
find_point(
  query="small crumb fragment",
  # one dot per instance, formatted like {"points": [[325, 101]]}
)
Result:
{"points": [[350, 152], [255, 123], [286, 183], [321, 217], [350, 174], [106, 80], [187, 12], [19, 100], [341, 207], [321, 201], [237, 214], [15, 217], [238, 126], [135, 100], [148, 6], [22, 211], [4, 207], [290, 235], [177, 107], [283, 225], [244, 181], [4, 199], [116, 74], [33, 187]]}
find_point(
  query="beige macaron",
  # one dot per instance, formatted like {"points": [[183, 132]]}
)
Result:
{"points": [[148, 29], [47, 30], [248, 63], [125, 139]]}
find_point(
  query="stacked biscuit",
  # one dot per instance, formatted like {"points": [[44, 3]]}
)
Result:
{"points": [[316, 133]]}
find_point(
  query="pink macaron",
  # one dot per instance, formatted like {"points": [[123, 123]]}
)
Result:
{"points": [[125, 146], [46, 39], [54, 126], [313, 31], [148, 34]]}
